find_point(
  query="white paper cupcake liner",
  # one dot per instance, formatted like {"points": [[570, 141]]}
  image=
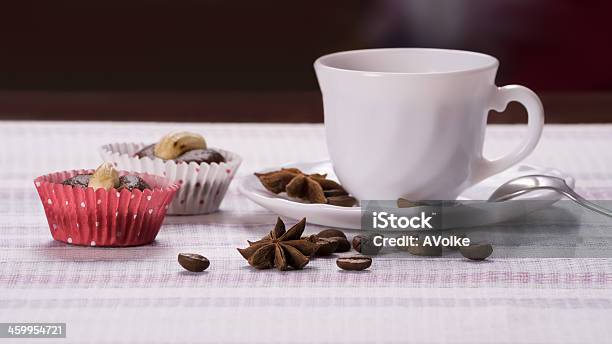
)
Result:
{"points": [[203, 186]]}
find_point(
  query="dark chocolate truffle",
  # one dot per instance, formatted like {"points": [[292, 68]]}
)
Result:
{"points": [[146, 152], [201, 155], [132, 182], [80, 180]]}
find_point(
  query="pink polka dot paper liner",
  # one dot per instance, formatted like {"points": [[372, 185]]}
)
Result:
{"points": [[82, 216], [203, 186]]}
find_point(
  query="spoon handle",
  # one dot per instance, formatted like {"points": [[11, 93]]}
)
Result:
{"points": [[571, 194]]}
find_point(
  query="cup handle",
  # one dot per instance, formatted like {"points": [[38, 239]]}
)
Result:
{"points": [[535, 123]]}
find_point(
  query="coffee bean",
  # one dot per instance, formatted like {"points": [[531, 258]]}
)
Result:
{"points": [[478, 251], [365, 244], [355, 263], [327, 246], [342, 201], [331, 233], [193, 262], [343, 244], [334, 192], [404, 203], [356, 242], [459, 236], [424, 250], [428, 251]]}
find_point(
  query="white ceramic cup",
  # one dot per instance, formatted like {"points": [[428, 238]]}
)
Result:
{"points": [[411, 122]]}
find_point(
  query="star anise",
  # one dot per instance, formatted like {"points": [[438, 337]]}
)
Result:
{"points": [[314, 188], [281, 249], [277, 181]]}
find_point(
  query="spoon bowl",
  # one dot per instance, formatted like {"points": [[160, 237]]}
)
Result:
{"points": [[525, 184]]}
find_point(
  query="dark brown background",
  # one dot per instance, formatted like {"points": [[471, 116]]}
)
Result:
{"points": [[226, 60]]}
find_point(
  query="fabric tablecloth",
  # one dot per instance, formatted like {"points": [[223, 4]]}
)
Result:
{"points": [[141, 294]]}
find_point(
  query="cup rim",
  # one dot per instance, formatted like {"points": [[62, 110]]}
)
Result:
{"points": [[321, 62]]}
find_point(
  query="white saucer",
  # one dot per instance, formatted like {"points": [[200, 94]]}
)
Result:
{"points": [[343, 217]]}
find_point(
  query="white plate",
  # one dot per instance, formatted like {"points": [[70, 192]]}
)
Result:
{"points": [[343, 217]]}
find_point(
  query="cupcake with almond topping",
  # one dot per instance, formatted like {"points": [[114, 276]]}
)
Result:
{"points": [[104, 207], [203, 173]]}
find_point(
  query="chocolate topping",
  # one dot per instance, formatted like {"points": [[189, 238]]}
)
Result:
{"points": [[201, 155], [146, 152], [198, 156], [80, 180], [132, 182], [129, 182]]}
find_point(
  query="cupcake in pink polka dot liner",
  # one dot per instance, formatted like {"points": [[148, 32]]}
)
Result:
{"points": [[105, 207], [203, 173]]}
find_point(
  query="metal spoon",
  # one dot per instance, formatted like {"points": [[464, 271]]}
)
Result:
{"points": [[522, 185]]}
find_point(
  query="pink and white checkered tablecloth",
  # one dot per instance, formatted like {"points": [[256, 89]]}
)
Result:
{"points": [[141, 295]]}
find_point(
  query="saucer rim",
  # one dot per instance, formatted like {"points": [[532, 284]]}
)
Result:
{"points": [[243, 187]]}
